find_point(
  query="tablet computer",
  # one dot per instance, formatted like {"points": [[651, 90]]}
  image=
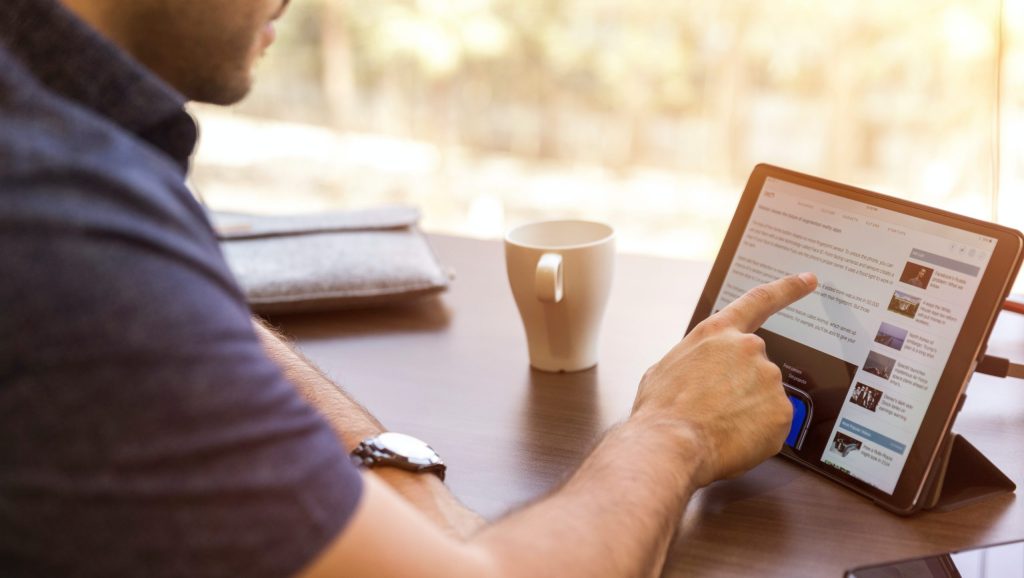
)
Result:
{"points": [[876, 360]]}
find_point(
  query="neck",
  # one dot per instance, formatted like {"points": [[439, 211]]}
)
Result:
{"points": [[100, 16]]}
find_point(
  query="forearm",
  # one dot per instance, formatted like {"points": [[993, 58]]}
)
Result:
{"points": [[713, 407], [615, 516], [350, 421], [352, 424], [613, 519]]}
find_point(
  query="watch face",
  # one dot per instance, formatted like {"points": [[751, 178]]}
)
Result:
{"points": [[407, 446]]}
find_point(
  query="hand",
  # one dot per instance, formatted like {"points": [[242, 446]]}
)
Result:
{"points": [[720, 389]]}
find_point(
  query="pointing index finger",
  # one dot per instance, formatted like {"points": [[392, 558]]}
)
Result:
{"points": [[754, 307]]}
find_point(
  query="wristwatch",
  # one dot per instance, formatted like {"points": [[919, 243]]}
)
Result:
{"points": [[398, 451]]}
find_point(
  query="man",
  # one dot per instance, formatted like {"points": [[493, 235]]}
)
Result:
{"points": [[920, 279], [149, 428]]}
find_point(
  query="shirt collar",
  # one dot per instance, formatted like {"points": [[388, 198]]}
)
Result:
{"points": [[75, 61]]}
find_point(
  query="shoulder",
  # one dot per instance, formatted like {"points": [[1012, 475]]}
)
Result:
{"points": [[99, 231], [50, 141], [133, 391], [75, 186]]}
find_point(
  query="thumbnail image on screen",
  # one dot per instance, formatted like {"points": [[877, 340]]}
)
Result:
{"points": [[879, 365], [904, 304], [866, 396], [916, 275], [845, 445], [891, 336]]}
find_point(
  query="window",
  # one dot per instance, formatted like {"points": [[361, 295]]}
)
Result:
{"points": [[650, 115]]}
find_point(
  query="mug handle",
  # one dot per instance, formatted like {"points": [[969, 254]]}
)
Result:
{"points": [[548, 280]]}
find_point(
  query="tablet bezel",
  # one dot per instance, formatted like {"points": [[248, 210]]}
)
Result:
{"points": [[993, 288]]}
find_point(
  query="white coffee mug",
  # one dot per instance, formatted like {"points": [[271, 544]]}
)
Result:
{"points": [[561, 276]]}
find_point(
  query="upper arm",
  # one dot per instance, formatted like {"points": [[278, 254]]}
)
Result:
{"points": [[388, 538]]}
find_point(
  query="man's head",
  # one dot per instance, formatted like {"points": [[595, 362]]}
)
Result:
{"points": [[204, 48]]}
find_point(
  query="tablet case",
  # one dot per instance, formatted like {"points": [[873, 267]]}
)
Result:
{"points": [[333, 260], [961, 476]]}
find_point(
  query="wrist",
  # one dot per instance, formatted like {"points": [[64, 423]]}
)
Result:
{"points": [[409, 483], [397, 450], [679, 441], [432, 498], [354, 434]]}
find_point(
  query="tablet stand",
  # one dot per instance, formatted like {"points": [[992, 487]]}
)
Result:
{"points": [[961, 476]]}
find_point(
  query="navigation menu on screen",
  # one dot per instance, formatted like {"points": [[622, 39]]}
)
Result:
{"points": [[869, 346]]}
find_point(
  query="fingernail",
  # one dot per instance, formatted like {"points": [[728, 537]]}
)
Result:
{"points": [[809, 278]]}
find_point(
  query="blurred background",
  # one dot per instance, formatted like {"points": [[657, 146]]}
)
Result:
{"points": [[649, 115]]}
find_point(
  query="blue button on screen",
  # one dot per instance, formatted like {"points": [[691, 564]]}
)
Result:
{"points": [[799, 417]]}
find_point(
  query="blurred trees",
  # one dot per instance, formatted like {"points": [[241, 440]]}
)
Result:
{"points": [[891, 94]]}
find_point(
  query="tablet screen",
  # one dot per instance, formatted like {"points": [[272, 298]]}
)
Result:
{"points": [[862, 357]]}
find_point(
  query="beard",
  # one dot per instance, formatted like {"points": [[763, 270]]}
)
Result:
{"points": [[204, 49]]}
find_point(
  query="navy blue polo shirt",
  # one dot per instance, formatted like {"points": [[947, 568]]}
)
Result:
{"points": [[143, 430]]}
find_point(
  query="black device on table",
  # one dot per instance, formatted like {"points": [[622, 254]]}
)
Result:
{"points": [[996, 561], [876, 361]]}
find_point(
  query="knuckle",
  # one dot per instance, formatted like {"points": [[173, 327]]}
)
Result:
{"points": [[714, 324], [771, 372], [785, 407], [785, 411], [791, 289], [648, 374], [752, 343], [761, 295]]}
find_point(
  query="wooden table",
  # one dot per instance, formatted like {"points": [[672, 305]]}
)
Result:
{"points": [[454, 371]]}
